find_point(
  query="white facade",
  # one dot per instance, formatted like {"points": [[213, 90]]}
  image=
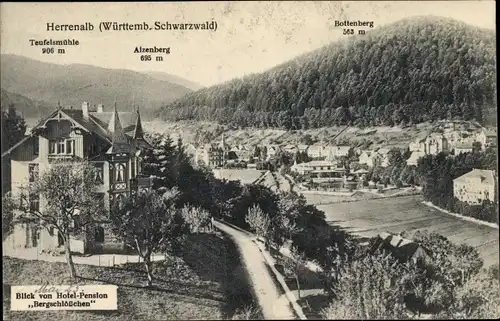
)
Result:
{"points": [[486, 138], [317, 169], [475, 186]]}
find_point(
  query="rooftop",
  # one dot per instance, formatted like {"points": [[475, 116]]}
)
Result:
{"points": [[485, 176]]}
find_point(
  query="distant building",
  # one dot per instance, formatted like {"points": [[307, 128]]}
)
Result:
{"points": [[302, 148], [463, 147], [402, 249], [315, 151], [370, 158], [487, 138], [319, 169], [272, 150], [292, 149], [384, 154], [475, 186], [213, 155], [414, 157], [433, 144], [210, 155], [332, 152]]}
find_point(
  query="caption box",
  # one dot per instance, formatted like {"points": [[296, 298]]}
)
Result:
{"points": [[63, 297]]}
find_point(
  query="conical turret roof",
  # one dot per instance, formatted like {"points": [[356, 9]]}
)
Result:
{"points": [[120, 143]]}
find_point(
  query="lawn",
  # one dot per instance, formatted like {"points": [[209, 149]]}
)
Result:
{"points": [[406, 213], [245, 176], [203, 283]]}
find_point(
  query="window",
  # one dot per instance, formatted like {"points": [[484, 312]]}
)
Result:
{"points": [[69, 147], [34, 203], [33, 172], [52, 147], [62, 146], [120, 173], [99, 174]]}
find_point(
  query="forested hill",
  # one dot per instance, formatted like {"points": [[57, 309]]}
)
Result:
{"points": [[414, 70]]}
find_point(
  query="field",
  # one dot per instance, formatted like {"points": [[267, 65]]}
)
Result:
{"points": [[367, 218], [246, 176], [204, 283]]}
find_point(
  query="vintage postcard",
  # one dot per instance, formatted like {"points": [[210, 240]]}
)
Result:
{"points": [[238, 160]]}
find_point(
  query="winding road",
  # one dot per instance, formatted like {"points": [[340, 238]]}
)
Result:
{"points": [[274, 305]]}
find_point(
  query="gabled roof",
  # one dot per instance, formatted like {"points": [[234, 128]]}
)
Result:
{"points": [[485, 176], [489, 133], [102, 124], [401, 248]]}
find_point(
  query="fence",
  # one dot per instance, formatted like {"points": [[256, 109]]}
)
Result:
{"points": [[104, 260]]}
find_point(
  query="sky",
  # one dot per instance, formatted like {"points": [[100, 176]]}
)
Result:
{"points": [[251, 37]]}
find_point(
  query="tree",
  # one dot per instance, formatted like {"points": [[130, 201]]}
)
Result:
{"points": [[149, 222], [258, 222], [67, 191], [195, 217], [476, 299], [13, 127], [8, 207], [370, 287], [293, 265]]}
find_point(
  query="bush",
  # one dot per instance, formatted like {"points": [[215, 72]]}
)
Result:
{"points": [[369, 288]]}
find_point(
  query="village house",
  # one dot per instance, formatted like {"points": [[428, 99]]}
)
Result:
{"points": [[463, 147], [475, 186], [402, 249], [333, 152], [370, 158], [384, 154], [315, 151], [291, 149], [271, 151], [433, 144], [302, 148], [487, 138], [213, 155], [319, 169], [111, 141]]}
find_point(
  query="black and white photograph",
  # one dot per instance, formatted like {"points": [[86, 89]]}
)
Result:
{"points": [[249, 160]]}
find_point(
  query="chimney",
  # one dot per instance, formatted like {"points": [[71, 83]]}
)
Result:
{"points": [[85, 110], [100, 108]]}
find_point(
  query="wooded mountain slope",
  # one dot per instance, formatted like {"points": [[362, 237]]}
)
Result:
{"points": [[75, 83], [414, 70], [29, 109]]}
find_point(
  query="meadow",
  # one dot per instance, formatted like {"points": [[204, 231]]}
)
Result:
{"points": [[204, 282], [367, 218]]}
